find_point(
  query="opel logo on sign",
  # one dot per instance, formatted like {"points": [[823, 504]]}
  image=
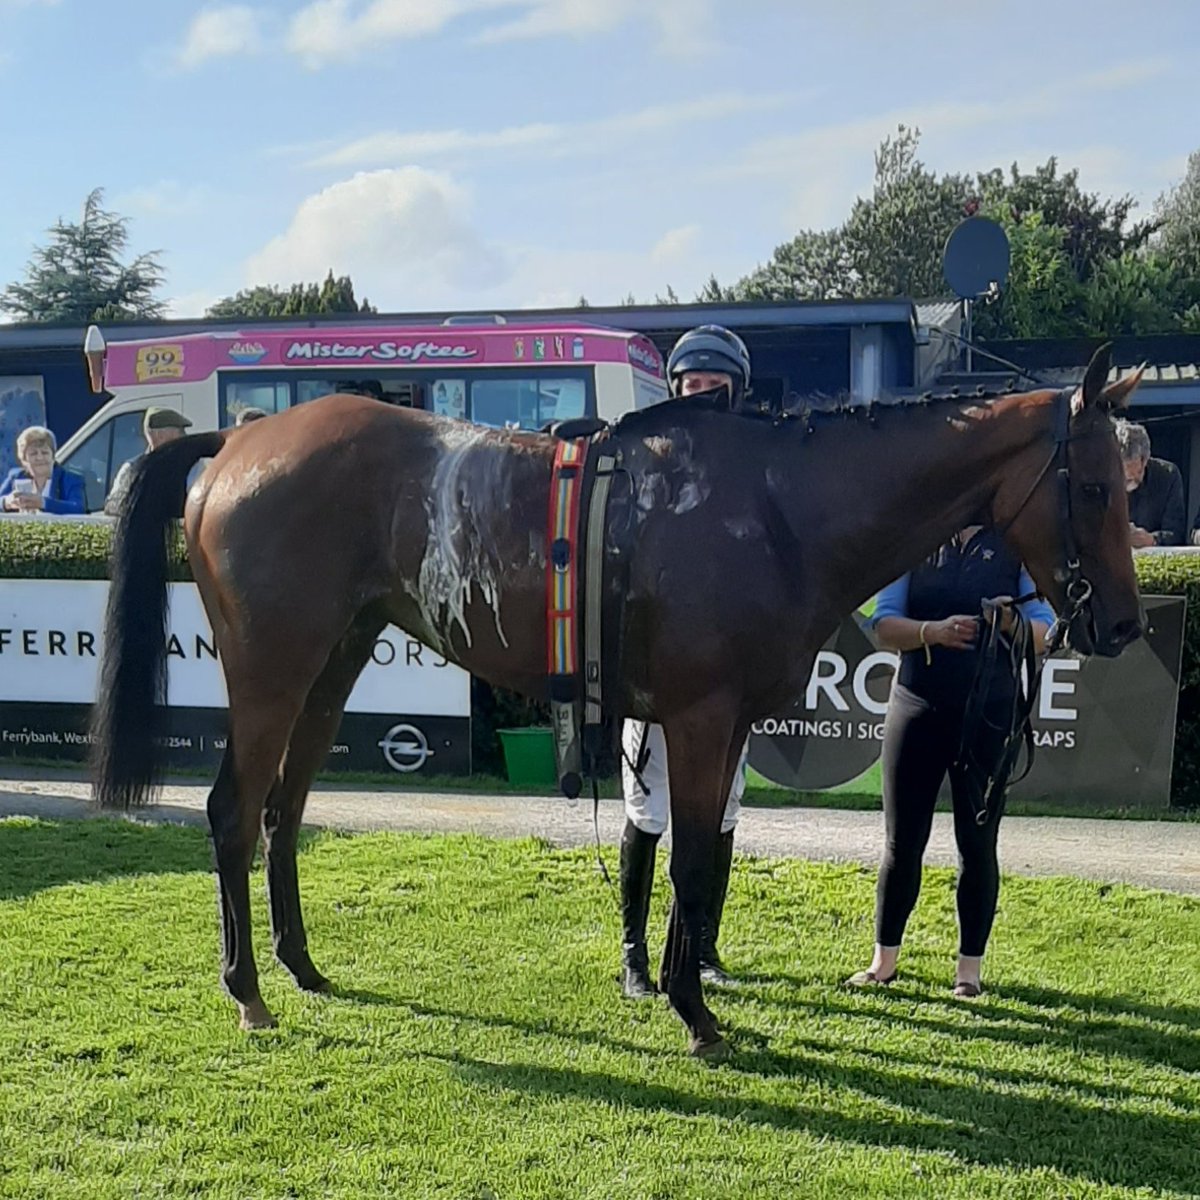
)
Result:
{"points": [[405, 748]]}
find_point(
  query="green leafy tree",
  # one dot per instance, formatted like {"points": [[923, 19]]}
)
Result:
{"points": [[893, 240], [1080, 263], [713, 293], [335, 295], [1042, 293], [80, 275], [812, 266], [1177, 240]]}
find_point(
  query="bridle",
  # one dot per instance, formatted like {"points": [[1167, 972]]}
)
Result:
{"points": [[988, 781], [1077, 588]]}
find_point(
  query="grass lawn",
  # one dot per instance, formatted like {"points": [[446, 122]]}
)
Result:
{"points": [[479, 1050]]}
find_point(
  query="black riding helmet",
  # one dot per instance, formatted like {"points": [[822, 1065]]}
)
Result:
{"points": [[711, 348]]}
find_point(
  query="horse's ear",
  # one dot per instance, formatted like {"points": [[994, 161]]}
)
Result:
{"points": [[1115, 396], [1096, 379]]}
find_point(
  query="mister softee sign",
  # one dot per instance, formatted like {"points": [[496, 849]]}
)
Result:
{"points": [[383, 351], [1104, 728]]}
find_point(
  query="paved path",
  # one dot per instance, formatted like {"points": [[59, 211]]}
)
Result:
{"points": [[1157, 854]]}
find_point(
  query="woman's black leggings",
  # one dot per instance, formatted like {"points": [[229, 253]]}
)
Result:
{"points": [[919, 745]]}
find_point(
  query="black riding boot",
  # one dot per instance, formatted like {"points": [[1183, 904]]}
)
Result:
{"points": [[638, 851], [711, 968]]}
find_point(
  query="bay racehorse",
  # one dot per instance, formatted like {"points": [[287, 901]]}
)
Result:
{"points": [[742, 543]]}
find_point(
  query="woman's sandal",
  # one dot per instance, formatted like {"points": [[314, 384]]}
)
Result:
{"points": [[968, 991], [862, 979]]}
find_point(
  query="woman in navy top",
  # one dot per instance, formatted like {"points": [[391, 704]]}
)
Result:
{"points": [[39, 484], [933, 616]]}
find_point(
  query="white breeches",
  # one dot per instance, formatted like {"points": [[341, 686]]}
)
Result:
{"points": [[649, 810]]}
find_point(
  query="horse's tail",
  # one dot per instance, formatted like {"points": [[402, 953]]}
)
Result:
{"points": [[128, 711]]}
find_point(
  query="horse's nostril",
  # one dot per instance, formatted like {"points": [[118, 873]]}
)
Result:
{"points": [[1125, 632]]}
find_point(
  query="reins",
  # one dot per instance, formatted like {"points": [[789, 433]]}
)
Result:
{"points": [[997, 661]]}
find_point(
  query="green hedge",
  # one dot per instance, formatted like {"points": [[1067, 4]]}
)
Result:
{"points": [[69, 550], [1179, 575], [40, 549]]}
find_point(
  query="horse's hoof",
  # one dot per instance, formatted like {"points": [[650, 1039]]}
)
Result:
{"points": [[316, 983], [257, 1015], [715, 1051]]}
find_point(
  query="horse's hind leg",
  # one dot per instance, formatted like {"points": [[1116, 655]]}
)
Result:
{"points": [[311, 739], [259, 727]]}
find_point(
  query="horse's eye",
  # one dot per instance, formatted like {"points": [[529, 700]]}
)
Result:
{"points": [[1095, 491]]}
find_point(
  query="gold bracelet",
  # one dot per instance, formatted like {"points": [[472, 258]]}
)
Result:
{"points": [[928, 652]]}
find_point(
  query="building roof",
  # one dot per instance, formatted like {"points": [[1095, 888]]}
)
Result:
{"points": [[639, 318], [1162, 383], [1153, 373]]}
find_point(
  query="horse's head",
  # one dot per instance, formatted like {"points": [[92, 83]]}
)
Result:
{"points": [[1072, 531]]}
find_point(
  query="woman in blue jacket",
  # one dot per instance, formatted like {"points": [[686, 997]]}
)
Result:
{"points": [[39, 484], [934, 617]]}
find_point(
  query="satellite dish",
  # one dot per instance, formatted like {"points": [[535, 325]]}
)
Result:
{"points": [[975, 261]]}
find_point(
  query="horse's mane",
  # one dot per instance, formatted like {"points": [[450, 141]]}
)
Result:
{"points": [[803, 410]]}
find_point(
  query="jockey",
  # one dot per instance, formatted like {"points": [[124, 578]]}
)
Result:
{"points": [[704, 359], [710, 357]]}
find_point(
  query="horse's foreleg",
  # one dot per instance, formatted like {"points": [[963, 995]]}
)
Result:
{"points": [[697, 761], [309, 745]]}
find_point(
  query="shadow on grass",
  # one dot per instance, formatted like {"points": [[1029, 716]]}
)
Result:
{"points": [[1118, 1026], [988, 1126], [538, 1027], [1102, 1092], [37, 855]]}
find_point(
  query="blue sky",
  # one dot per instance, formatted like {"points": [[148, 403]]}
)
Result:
{"points": [[501, 153]]}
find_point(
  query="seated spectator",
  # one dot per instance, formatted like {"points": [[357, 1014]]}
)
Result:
{"points": [[249, 414], [39, 484], [159, 426], [1155, 488]]}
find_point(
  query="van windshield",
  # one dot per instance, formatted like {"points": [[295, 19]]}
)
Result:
{"points": [[103, 454]]}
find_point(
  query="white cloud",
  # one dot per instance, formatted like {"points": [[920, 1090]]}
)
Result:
{"points": [[584, 137], [556, 18], [544, 278], [407, 238], [220, 33], [166, 198], [676, 246], [330, 30], [685, 26], [823, 169], [403, 235], [404, 147], [191, 305]]}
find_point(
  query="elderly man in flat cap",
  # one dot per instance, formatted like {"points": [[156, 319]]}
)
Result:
{"points": [[160, 425]]}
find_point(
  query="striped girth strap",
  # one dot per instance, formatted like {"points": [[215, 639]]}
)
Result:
{"points": [[562, 561]]}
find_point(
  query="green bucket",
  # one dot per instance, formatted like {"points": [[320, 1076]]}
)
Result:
{"points": [[529, 755]]}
